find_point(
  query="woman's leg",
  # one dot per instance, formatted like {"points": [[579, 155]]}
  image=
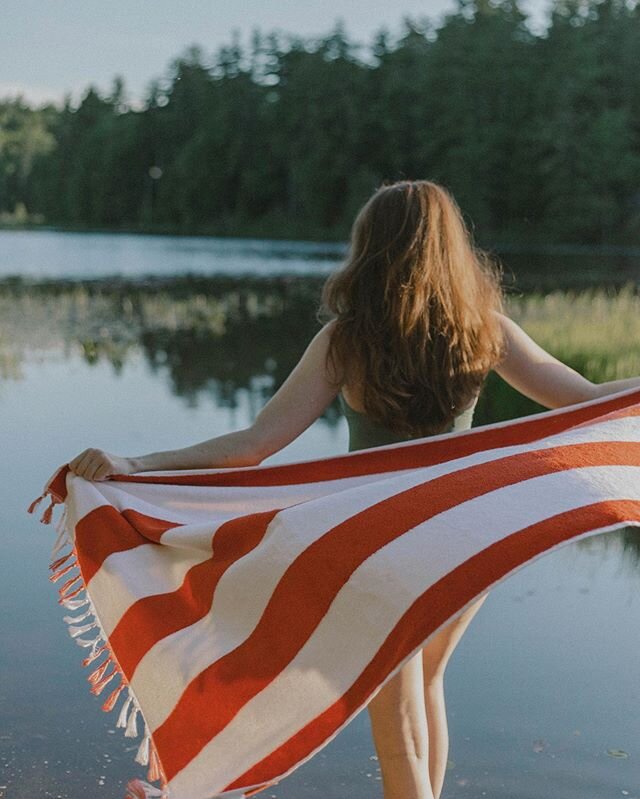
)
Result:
{"points": [[399, 728], [435, 655]]}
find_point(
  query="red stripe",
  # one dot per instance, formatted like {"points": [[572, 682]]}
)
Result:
{"points": [[57, 485], [149, 526], [317, 575], [152, 618], [433, 608], [407, 456], [105, 530]]}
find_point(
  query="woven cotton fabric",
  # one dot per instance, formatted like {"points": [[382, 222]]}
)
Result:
{"points": [[238, 619]]}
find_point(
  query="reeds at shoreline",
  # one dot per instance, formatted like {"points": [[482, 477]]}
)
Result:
{"points": [[596, 331]]}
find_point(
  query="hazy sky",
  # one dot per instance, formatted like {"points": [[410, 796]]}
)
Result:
{"points": [[48, 47]]}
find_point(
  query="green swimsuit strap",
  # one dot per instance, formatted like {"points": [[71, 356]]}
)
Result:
{"points": [[364, 432]]}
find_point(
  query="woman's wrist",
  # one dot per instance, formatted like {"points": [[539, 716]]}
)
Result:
{"points": [[141, 463]]}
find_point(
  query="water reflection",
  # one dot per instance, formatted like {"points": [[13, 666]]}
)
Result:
{"points": [[217, 335]]}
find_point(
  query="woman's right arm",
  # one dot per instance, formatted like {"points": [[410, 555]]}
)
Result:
{"points": [[301, 399], [537, 374]]}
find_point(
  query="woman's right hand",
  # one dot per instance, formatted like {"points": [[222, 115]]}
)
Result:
{"points": [[96, 464]]}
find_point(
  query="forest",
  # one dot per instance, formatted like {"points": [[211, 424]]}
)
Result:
{"points": [[537, 135]]}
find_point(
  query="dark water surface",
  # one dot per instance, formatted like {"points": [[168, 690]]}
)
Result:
{"points": [[543, 691]]}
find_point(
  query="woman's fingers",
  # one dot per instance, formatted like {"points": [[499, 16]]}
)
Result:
{"points": [[73, 464], [104, 470], [84, 464], [92, 464], [92, 468]]}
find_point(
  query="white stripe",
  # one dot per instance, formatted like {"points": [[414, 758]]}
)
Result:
{"points": [[145, 571], [355, 625], [148, 570]]}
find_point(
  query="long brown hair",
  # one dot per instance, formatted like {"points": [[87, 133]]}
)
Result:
{"points": [[414, 308]]}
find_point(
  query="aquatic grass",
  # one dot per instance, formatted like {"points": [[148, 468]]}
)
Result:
{"points": [[597, 331]]}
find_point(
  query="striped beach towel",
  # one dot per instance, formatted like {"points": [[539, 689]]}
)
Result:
{"points": [[238, 619]]}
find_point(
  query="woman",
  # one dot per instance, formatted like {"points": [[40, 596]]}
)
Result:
{"points": [[416, 326]]}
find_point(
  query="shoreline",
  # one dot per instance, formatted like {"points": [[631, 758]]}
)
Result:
{"points": [[325, 239]]}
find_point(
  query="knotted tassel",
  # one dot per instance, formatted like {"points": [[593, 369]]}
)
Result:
{"points": [[66, 588], [79, 590], [142, 755], [100, 686], [154, 773], [132, 724], [77, 619], [110, 703], [122, 718], [61, 572], [94, 655], [139, 789], [74, 632], [99, 673], [57, 563], [73, 604], [35, 503], [91, 642], [48, 512]]}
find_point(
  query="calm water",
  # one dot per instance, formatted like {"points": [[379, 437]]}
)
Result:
{"points": [[90, 255], [542, 691], [47, 254]]}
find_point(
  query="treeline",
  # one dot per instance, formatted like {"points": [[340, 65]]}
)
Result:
{"points": [[537, 135]]}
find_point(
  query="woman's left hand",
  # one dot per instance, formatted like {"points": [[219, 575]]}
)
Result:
{"points": [[96, 464]]}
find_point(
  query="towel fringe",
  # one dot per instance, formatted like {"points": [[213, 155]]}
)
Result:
{"points": [[99, 673], [122, 718], [66, 591], [54, 489], [74, 604], [99, 687], [76, 619], [94, 655], [132, 725], [35, 503], [73, 596], [57, 575], [74, 631], [60, 561], [154, 773], [139, 789], [142, 755], [48, 512], [113, 697]]}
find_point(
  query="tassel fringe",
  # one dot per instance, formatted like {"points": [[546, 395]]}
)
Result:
{"points": [[138, 789], [122, 718], [73, 596], [142, 755], [132, 725]]}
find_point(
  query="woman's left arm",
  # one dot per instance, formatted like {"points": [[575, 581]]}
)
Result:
{"points": [[300, 400]]}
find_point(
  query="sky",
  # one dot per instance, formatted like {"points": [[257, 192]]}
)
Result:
{"points": [[52, 47]]}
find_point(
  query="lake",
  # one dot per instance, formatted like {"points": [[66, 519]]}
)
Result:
{"points": [[542, 691], [52, 254]]}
